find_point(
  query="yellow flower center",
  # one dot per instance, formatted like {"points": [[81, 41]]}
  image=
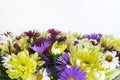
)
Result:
{"points": [[109, 58], [39, 76], [72, 78]]}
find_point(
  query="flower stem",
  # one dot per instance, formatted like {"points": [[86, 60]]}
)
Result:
{"points": [[55, 72]]}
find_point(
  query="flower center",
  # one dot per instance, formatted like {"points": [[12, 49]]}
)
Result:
{"points": [[109, 58], [39, 76], [72, 78]]}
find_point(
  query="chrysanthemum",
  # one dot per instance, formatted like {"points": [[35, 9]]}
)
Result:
{"points": [[40, 45], [94, 36], [96, 75], [72, 73], [86, 57], [58, 48], [109, 60], [108, 41], [22, 65]]}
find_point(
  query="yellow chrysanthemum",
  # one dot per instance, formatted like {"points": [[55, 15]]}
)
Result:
{"points": [[87, 57], [58, 48], [117, 45], [110, 42], [22, 65], [107, 41]]}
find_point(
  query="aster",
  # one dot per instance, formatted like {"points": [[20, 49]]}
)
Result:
{"points": [[31, 33], [94, 36], [72, 73], [53, 32], [40, 45], [62, 62]]}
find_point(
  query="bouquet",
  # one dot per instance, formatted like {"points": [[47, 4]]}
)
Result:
{"points": [[57, 55]]}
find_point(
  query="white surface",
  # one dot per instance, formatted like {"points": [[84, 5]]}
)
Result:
{"points": [[86, 16]]}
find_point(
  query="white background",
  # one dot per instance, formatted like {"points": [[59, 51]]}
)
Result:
{"points": [[86, 16]]}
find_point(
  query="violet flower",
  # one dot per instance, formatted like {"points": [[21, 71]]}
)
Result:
{"points": [[94, 36], [72, 73], [40, 45]]}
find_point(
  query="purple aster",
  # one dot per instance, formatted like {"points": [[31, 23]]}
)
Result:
{"points": [[94, 36], [62, 62], [31, 33], [72, 73], [40, 45], [54, 32]]}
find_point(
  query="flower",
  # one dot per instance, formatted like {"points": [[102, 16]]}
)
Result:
{"points": [[31, 33], [42, 75], [56, 55], [6, 58], [72, 73], [22, 65], [109, 60], [58, 48], [6, 37], [40, 45], [96, 75], [62, 62], [94, 36], [85, 57], [110, 42], [22, 42], [53, 32]]}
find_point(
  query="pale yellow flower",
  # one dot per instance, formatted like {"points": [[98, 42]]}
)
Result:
{"points": [[23, 42], [110, 42]]}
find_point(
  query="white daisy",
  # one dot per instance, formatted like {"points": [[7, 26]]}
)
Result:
{"points": [[42, 75], [109, 60]]}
